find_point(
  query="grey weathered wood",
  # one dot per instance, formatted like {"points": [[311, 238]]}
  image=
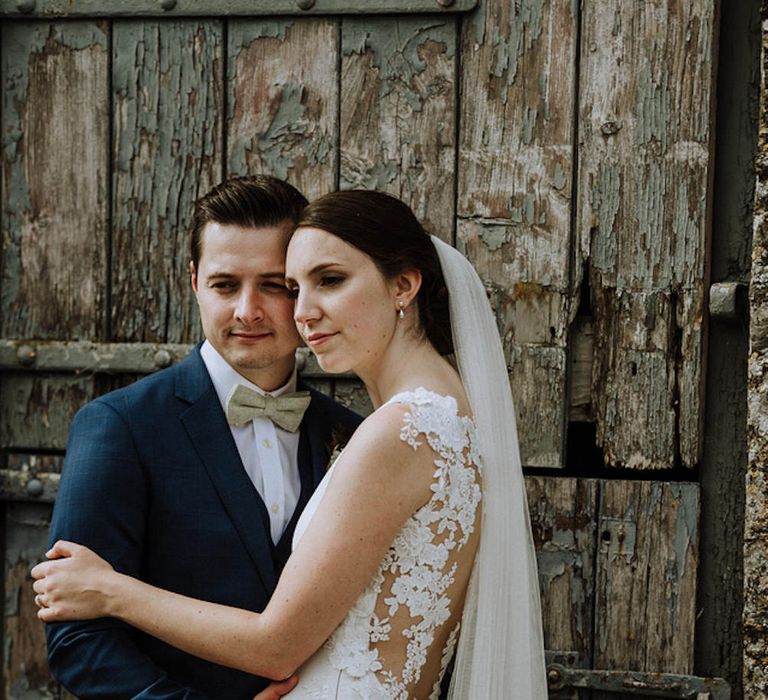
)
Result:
{"points": [[168, 99], [563, 518], [643, 223], [54, 131], [25, 664], [352, 394], [36, 411], [282, 107], [186, 8], [398, 112], [646, 576], [514, 196]]}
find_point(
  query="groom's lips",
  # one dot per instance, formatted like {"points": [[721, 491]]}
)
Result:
{"points": [[250, 337]]}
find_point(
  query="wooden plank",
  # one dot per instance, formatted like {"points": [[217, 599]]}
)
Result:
{"points": [[643, 221], [54, 171], [170, 8], [518, 82], [25, 663], [398, 112], [563, 518], [168, 104], [646, 576], [282, 105], [36, 411]]}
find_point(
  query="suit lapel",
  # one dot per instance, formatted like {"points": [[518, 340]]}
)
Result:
{"points": [[212, 439]]}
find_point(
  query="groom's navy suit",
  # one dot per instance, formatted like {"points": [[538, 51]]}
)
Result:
{"points": [[153, 482]]}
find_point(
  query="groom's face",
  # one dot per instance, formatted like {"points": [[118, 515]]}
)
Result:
{"points": [[245, 309]]}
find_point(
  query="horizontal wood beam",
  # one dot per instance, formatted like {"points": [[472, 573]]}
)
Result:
{"points": [[196, 8]]}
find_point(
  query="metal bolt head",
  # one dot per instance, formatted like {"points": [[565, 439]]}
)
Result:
{"points": [[163, 359], [305, 4], [35, 488], [445, 3], [25, 6], [610, 128], [26, 355], [167, 4]]}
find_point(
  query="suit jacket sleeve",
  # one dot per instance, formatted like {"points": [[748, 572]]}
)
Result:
{"points": [[102, 504]]}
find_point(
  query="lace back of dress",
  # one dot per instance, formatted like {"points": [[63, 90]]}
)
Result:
{"points": [[422, 583]]}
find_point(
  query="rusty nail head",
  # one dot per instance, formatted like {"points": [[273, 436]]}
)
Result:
{"points": [[26, 355], [167, 4], [305, 4], [553, 676], [610, 128], [163, 359], [35, 488], [25, 6], [445, 3]]}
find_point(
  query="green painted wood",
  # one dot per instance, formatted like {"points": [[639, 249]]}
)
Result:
{"points": [[283, 101], [168, 92], [645, 166], [198, 8], [54, 171], [398, 112]]}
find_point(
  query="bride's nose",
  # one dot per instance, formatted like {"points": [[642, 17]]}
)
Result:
{"points": [[305, 309]]}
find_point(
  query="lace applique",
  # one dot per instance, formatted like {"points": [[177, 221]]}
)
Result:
{"points": [[418, 565], [450, 647]]}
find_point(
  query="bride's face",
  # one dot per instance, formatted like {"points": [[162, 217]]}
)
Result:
{"points": [[345, 308]]}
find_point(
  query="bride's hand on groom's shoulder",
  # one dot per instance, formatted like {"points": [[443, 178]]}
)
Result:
{"points": [[73, 584], [278, 689]]}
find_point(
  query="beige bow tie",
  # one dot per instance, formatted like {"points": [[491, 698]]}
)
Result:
{"points": [[286, 411]]}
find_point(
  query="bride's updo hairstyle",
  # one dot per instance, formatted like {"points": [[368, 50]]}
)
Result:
{"points": [[387, 231]]}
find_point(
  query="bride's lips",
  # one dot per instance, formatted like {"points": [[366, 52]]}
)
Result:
{"points": [[317, 339]]}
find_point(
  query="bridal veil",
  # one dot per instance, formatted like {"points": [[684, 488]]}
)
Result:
{"points": [[501, 649]]}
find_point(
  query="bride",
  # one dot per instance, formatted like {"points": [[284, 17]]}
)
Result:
{"points": [[417, 542]]}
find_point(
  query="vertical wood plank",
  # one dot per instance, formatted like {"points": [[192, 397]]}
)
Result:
{"points": [[646, 576], [398, 112], [563, 519], [518, 78], [25, 667], [168, 102], [643, 221], [54, 170], [283, 101]]}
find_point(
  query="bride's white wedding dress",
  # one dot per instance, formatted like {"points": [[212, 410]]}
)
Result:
{"points": [[400, 635]]}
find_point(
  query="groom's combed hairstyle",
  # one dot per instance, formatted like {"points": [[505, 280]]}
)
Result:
{"points": [[387, 231], [254, 201]]}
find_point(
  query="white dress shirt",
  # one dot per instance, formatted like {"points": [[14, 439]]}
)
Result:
{"points": [[269, 453]]}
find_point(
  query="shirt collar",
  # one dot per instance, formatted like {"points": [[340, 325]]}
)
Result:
{"points": [[224, 377]]}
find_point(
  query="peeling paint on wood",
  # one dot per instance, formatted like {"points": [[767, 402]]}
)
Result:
{"points": [[398, 113], [563, 520], [282, 106], [168, 91], [644, 177], [646, 576], [54, 179]]}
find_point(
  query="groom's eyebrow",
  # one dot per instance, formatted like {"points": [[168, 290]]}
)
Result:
{"points": [[262, 275]]}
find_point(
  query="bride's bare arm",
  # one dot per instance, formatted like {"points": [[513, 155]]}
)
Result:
{"points": [[377, 484]]}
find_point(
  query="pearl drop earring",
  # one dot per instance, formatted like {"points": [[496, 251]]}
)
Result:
{"points": [[401, 313]]}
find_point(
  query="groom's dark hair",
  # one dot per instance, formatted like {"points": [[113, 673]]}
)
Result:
{"points": [[253, 201]]}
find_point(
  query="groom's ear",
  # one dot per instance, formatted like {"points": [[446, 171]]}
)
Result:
{"points": [[193, 275], [407, 285]]}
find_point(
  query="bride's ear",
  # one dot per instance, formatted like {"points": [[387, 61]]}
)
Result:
{"points": [[407, 285]]}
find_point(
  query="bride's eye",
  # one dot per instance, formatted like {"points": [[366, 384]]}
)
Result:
{"points": [[331, 280]]}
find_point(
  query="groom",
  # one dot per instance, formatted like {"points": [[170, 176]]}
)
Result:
{"points": [[158, 483]]}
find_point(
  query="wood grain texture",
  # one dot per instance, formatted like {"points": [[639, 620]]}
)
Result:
{"points": [[646, 576], [168, 105], [518, 81], [563, 518], [25, 662], [54, 171], [398, 112], [282, 101], [643, 221]]}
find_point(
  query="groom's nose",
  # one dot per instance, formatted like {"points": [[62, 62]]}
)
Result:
{"points": [[249, 307]]}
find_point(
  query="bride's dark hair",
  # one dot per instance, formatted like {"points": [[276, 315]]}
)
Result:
{"points": [[387, 231]]}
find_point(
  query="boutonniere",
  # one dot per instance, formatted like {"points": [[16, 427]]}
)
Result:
{"points": [[339, 439]]}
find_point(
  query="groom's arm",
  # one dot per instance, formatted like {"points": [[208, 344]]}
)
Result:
{"points": [[102, 503]]}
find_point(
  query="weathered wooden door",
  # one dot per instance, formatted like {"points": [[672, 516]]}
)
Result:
{"points": [[566, 147]]}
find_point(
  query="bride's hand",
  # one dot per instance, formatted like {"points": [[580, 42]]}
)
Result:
{"points": [[74, 585]]}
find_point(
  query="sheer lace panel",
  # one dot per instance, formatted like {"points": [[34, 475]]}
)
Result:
{"points": [[404, 627]]}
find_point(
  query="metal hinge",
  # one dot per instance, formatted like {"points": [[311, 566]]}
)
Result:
{"points": [[561, 676]]}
